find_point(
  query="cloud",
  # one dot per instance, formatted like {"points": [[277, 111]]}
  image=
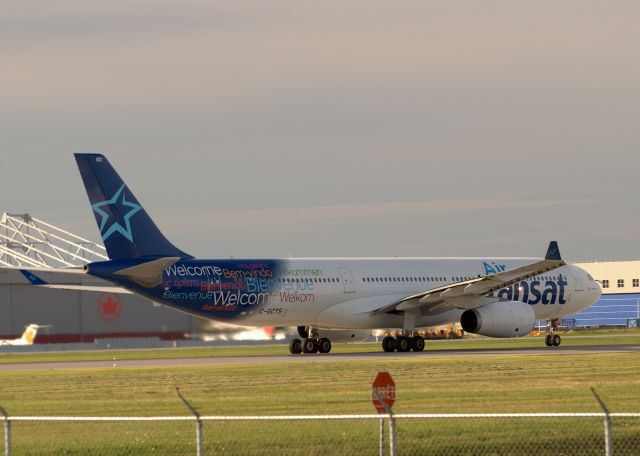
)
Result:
{"points": [[333, 124], [395, 211]]}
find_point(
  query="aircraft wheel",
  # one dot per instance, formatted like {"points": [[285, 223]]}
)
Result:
{"points": [[556, 340], [388, 344], [403, 344], [309, 346], [417, 344], [548, 340], [295, 346], [324, 345]]}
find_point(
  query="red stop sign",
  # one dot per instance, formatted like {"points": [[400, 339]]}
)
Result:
{"points": [[383, 389]]}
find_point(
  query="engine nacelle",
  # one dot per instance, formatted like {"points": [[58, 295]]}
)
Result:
{"points": [[499, 319], [346, 335]]}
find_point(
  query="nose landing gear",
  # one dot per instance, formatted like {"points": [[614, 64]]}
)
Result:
{"points": [[552, 339]]}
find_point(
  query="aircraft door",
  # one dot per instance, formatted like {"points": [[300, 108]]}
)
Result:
{"points": [[347, 279]]}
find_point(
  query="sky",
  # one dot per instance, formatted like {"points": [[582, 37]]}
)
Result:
{"points": [[358, 128]]}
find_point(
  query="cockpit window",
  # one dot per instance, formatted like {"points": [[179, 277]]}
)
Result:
{"points": [[589, 277]]}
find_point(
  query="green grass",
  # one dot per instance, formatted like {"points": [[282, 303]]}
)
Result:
{"points": [[532, 383], [607, 337], [473, 384]]}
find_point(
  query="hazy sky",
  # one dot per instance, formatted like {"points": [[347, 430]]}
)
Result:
{"points": [[333, 128]]}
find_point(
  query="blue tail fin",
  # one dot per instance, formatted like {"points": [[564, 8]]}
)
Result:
{"points": [[126, 229]]}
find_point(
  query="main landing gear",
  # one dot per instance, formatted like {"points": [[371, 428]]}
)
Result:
{"points": [[403, 343], [552, 339], [311, 342]]}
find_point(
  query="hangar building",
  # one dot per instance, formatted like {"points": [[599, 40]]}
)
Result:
{"points": [[620, 301]]}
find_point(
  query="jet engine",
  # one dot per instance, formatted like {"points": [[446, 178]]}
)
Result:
{"points": [[499, 319]]}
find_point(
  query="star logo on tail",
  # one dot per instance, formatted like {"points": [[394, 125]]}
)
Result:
{"points": [[120, 204]]}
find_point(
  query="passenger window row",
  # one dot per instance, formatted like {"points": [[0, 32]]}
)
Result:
{"points": [[440, 279], [404, 279], [308, 280]]}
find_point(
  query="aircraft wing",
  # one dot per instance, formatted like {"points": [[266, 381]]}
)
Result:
{"points": [[58, 278], [470, 294]]}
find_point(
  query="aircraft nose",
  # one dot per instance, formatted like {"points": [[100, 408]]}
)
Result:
{"points": [[597, 292]]}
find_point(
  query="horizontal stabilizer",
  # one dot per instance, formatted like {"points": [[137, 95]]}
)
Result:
{"points": [[72, 279], [91, 288], [32, 278], [148, 274]]}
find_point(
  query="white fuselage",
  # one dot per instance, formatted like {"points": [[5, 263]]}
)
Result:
{"points": [[345, 293]]}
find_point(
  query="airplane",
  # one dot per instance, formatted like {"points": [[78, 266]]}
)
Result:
{"points": [[28, 337], [325, 298]]}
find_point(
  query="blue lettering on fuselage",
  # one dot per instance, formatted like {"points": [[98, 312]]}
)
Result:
{"points": [[233, 289], [227, 289], [493, 267], [536, 292]]}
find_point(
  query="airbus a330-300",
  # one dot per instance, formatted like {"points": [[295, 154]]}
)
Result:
{"points": [[324, 298]]}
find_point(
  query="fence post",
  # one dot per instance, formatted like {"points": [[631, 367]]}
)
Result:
{"points": [[392, 434], [607, 425], [392, 428], [382, 450], [198, 422], [7, 432]]}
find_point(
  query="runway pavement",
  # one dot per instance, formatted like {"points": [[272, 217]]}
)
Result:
{"points": [[226, 360]]}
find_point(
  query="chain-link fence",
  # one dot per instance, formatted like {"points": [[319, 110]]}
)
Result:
{"points": [[433, 434]]}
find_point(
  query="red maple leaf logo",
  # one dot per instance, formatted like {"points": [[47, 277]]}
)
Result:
{"points": [[109, 307]]}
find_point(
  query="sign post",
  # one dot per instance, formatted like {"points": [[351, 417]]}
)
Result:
{"points": [[383, 396], [7, 432]]}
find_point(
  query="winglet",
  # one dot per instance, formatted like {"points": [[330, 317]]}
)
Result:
{"points": [[553, 252], [32, 278]]}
